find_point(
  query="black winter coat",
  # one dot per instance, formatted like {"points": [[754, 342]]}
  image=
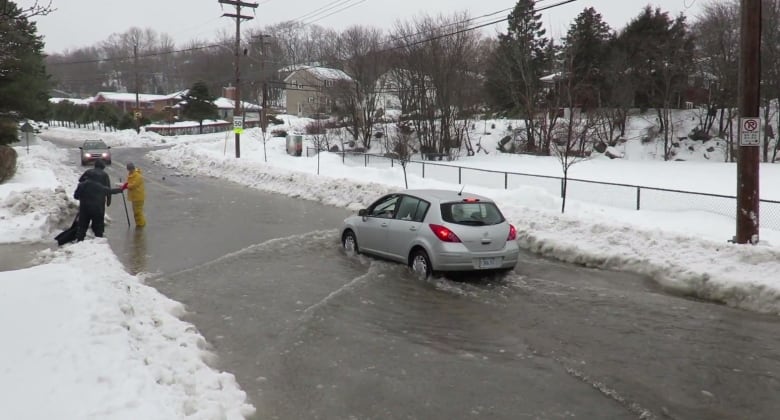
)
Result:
{"points": [[91, 193]]}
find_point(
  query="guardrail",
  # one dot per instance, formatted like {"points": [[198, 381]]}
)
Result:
{"points": [[627, 196]]}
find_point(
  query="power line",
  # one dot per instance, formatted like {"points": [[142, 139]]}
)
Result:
{"points": [[333, 13], [460, 31], [203, 47], [319, 9]]}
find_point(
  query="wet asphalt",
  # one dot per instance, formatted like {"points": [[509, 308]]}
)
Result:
{"points": [[312, 333]]}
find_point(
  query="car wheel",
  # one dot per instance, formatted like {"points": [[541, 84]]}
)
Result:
{"points": [[349, 243], [108, 162], [83, 163], [420, 263]]}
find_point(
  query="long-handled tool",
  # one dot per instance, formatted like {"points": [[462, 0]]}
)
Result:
{"points": [[125, 202]]}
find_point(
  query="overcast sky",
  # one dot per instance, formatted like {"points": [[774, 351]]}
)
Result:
{"points": [[80, 23]]}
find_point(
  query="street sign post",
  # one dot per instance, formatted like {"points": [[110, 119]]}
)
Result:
{"points": [[27, 129], [749, 134]]}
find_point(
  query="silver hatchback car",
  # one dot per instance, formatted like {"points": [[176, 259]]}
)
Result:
{"points": [[434, 230]]}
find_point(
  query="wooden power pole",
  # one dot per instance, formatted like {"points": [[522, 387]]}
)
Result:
{"points": [[237, 129], [748, 199]]}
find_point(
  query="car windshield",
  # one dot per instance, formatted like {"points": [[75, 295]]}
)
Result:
{"points": [[471, 213], [94, 145]]}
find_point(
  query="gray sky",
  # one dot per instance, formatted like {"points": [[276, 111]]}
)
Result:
{"points": [[80, 23]]}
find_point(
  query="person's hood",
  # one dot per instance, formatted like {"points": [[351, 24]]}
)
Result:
{"points": [[99, 164]]}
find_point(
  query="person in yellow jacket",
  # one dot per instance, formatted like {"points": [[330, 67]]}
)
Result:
{"points": [[136, 193]]}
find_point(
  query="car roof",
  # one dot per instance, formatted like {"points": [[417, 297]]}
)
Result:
{"points": [[444, 196]]}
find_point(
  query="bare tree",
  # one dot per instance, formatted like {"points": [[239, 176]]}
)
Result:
{"points": [[37, 8], [438, 58], [400, 143], [572, 138], [360, 50]]}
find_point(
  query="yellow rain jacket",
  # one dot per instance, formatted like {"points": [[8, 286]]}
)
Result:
{"points": [[135, 186]]}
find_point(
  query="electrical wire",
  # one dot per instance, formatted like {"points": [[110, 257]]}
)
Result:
{"points": [[418, 42], [333, 13], [334, 3]]}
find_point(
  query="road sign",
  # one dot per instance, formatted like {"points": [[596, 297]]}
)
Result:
{"points": [[27, 128], [238, 125], [138, 115], [749, 133]]}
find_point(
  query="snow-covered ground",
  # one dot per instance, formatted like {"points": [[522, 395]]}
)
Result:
{"points": [[82, 343], [81, 337]]}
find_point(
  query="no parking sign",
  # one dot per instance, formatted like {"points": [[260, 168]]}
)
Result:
{"points": [[749, 132]]}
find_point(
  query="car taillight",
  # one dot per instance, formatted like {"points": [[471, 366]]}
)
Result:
{"points": [[444, 234], [512, 233]]}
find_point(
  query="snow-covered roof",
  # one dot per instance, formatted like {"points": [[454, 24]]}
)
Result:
{"points": [[294, 67], [550, 78], [84, 102], [130, 97], [225, 103], [323, 73]]}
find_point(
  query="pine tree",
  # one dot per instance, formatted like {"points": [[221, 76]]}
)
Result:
{"points": [[586, 48], [517, 65], [198, 104], [660, 68], [24, 83]]}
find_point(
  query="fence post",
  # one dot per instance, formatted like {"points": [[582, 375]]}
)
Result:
{"points": [[365, 161], [506, 180], [638, 196], [459, 175], [423, 169]]}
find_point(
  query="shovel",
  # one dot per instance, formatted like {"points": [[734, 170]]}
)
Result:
{"points": [[125, 203]]}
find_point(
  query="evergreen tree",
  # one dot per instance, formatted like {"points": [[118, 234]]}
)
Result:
{"points": [[517, 65], [198, 104], [24, 83], [586, 48], [660, 68]]}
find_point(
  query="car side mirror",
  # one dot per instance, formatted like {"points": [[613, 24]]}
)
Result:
{"points": [[362, 212], [81, 148], [108, 147]]}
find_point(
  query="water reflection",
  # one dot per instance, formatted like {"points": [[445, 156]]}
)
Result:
{"points": [[138, 252]]}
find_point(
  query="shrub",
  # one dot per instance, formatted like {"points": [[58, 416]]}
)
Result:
{"points": [[7, 163], [278, 133], [315, 127], [274, 120]]}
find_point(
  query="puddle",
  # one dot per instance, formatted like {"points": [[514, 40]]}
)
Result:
{"points": [[18, 256]]}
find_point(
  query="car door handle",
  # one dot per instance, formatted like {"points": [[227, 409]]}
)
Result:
{"points": [[413, 228], [384, 224]]}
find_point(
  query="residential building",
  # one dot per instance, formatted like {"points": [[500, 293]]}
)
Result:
{"points": [[148, 104], [311, 91]]}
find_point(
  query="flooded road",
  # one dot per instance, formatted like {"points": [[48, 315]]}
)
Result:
{"points": [[312, 333]]}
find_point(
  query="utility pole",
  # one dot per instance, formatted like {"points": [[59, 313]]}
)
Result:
{"points": [[748, 199], [237, 100], [264, 101], [137, 110]]}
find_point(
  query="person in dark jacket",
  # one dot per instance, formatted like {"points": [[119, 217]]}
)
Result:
{"points": [[94, 195]]}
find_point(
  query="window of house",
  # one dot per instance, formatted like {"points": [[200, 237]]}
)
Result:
{"points": [[328, 83], [311, 99], [294, 83]]}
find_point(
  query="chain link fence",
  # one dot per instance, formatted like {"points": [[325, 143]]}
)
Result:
{"points": [[635, 197]]}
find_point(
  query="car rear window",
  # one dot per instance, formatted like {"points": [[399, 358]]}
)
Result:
{"points": [[471, 213]]}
